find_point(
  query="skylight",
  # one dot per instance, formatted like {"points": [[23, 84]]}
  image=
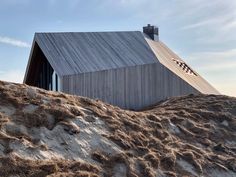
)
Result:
{"points": [[184, 67]]}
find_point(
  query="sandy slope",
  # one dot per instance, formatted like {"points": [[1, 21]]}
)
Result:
{"points": [[45, 133]]}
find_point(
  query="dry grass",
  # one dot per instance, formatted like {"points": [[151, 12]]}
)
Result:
{"points": [[198, 129], [13, 166]]}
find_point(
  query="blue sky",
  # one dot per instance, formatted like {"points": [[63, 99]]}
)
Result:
{"points": [[202, 32]]}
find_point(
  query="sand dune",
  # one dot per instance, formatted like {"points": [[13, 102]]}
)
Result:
{"points": [[53, 134]]}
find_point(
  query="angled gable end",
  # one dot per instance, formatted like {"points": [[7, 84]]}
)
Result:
{"points": [[175, 64], [39, 71]]}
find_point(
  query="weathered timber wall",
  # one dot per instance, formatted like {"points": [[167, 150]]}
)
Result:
{"points": [[130, 88]]}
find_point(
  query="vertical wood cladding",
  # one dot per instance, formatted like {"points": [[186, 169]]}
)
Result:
{"points": [[130, 88]]}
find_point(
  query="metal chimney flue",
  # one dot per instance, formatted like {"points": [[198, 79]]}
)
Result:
{"points": [[152, 32]]}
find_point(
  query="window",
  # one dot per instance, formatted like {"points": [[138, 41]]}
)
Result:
{"points": [[55, 82], [184, 67]]}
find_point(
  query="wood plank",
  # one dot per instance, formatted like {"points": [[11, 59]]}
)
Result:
{"points": [[74, 53], [130, 88]]}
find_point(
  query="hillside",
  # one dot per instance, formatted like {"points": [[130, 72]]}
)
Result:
{"points": [[47, 133]]}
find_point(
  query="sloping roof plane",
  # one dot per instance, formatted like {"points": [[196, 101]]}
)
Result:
{"points": [[168, 58], [74, 53]]}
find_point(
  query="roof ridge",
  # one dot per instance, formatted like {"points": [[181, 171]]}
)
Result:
{"points": [[58, 32]]}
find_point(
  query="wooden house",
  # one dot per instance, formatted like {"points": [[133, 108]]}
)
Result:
{"points": [[130, 69]]}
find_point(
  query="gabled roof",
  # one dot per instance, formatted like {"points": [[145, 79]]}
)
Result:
{"points": [[78, 52]]}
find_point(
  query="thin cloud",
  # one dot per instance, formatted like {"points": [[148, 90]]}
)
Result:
{"points": [[12, 76], [14, 42], [222, 66], [214, 56], [214, 61], [226, 21], [228, 88], [197, 24], [230, 25], [218, 67], [131, 1]]}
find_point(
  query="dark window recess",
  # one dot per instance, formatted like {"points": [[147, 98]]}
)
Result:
{"points": [[56, 82], [45, 77], [40, 73]]}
